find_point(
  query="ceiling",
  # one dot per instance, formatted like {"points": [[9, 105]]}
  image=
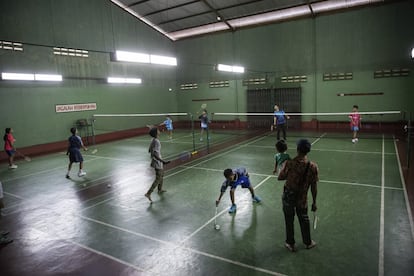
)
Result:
{"points": [[179, 19]]}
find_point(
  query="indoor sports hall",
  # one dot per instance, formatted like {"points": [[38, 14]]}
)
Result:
{"points": [[101, 99]]}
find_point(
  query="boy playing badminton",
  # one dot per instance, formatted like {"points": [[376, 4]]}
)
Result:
{"points": [[281, 156], [234, 178], [300, 175], [355, 122], [279, 121], [168, 123], [204, 124], [9, 146], [156, 162], [75, 156]]}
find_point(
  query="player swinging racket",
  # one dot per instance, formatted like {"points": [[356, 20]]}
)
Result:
{"points": [[156, 162], [279, 121], [234, 178], [168, 125], [355, 121], [75, 156], [9, 147]]}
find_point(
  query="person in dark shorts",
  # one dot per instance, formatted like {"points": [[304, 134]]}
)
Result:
{"points": [[75, 155]]}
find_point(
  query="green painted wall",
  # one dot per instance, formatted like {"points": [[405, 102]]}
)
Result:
{"points": [[94, 25], [360, 41]]}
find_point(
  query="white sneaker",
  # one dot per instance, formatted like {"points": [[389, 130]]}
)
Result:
{"points": [[353, 141], [201, 139], [356, 139], [81, 173], [13, 166]]}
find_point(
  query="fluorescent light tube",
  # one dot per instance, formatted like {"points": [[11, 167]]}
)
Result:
{"points": [[132, 57], [47, 77], [123, 80], [155, 59], [229, 68], [17, 76]]}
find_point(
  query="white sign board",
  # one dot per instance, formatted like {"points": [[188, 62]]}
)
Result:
{"points": [[59, 108]]}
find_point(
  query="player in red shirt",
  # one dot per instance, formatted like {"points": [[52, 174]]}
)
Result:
{"points": [[8, 146], [355, 122]]}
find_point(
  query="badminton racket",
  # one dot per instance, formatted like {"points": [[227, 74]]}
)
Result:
{"points": [[185, 155], [315, 220], [27, 158], [216, 226], [202, 107]]}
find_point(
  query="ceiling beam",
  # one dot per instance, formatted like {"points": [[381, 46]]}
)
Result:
{"points": [[137, 3], [219, 16], [206, 12], [172, 7]]}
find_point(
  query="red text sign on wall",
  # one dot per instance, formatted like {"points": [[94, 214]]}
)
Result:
{"points": [[59, 108]]}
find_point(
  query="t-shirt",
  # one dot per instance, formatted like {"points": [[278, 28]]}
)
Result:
{"points": [[155, 149], [204, 120], [280, 158], [293, 172], [355, 119], [168, 124], [280, 117], [8, 143], [241, 176], [75, 142]]}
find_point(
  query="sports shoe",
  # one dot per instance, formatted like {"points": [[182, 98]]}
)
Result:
{"points": [[353, 141], [233, 209], [257, 199], [149, 197], [67, 176], [356, 139], [201, 139], [81, 173], [311, 245], [5, 240], [13, 166], [290, 247], [162, 191]]}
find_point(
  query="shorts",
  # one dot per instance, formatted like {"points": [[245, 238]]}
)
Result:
{"points": [[10, 152], [243, 181], [204, 125], [75, 156], [169, 128], [354, 128]]}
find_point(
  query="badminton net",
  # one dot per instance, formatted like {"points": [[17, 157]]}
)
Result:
{"points": [[117, 126], [374, 124]]}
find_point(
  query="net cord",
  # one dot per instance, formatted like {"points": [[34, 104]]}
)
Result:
{"points": [[310, 114], [140, 115]]}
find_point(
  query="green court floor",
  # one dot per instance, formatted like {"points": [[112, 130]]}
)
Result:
{"points": [[363, 228]]}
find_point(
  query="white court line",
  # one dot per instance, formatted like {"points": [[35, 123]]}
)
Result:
{"points": [[325, 181], [219, 214], [319, 138], [333, 150], [177, 172], [381, 234], [407, 202], [95, 251], [13, 195], [173, 245], [41, 172]]}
